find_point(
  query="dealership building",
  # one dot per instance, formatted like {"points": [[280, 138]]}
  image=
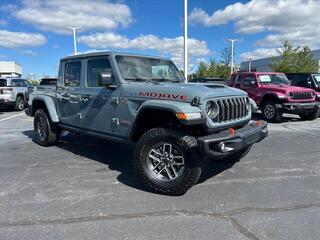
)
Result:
{"points": [[264, 64], [10, 69]]}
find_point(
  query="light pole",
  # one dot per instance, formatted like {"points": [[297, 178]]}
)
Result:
{"points": [[249, 63], [74, 29], [185, 40], [232, 51]]}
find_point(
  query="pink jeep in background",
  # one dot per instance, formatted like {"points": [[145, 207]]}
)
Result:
{"points": [[274, 95]]}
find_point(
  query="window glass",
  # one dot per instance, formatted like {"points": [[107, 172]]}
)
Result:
{"points": [[3, 82], [273, 79], [143, 69], [247, 80], [28, 83], [95, 67], [72, 74], [16, 83], [48, 81], [317, 78]]}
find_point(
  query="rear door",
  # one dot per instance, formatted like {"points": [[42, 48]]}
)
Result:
{"points": [[99, 103], [68, 94]]}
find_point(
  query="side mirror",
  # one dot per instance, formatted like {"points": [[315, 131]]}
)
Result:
{"points": [[253, 83], [105, 78]]}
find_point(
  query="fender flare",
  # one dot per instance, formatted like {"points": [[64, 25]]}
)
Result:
{"points": [[51, 108]]}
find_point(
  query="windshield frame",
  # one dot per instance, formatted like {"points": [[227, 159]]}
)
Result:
{"points": [[273, 74], [143, 78]]}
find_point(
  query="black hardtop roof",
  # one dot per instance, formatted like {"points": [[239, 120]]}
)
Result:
{"points": [[94, 54]]}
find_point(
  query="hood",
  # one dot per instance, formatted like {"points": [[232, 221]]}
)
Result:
{"points": [[284, 88], [179, 91]]}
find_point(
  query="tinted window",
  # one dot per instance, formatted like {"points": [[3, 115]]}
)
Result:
{"points": [[16, 83], [72, 74], [95, 67], [3, 82], [48, 81], [247, 80]]}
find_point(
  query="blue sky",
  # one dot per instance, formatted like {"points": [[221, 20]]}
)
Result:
{"points": [[32, 32]]}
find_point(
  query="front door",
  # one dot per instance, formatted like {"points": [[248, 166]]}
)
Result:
{"points": [[99, 104], [249, 87], [69, 94]]}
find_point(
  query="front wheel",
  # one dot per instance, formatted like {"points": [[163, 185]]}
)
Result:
{"points": [[164, 161], [270, 112], [45, 132]]}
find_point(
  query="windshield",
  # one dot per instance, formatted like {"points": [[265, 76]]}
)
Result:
{"points": [[3, 82], [317, 78], [273, 79], [147, 69]]}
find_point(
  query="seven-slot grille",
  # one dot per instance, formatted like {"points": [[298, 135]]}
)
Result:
{"points": [[301, 95], [231, 108]]}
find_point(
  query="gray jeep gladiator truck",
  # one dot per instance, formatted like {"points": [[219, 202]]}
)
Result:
{"points": [[143, 100]]}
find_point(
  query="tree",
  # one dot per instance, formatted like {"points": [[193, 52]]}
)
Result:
{"points": [[34, 82], [294, 59], [202, 70], [305, 62]]}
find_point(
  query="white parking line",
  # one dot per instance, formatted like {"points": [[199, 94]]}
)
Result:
{"points": [[7, 118]]}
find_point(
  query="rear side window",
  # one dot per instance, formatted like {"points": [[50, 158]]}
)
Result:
{"points": [[16, 83], [49, 81], [95, 67], [72, 74], [3, 82]]}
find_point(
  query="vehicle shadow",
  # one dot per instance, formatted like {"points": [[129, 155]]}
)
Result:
{"points": [[118, 157], [285, 118]]}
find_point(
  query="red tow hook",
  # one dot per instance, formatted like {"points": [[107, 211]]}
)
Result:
{"points": [[232, 132]]}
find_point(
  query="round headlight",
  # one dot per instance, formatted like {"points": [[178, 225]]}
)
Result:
{"points": [[313, 94], [211, 109], [290, 94]]}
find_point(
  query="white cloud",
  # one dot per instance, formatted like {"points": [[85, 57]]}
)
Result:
{"points": [[29, 52], [295, 20], [20, 39], [164, 46], [56, 15], [260, 53]]}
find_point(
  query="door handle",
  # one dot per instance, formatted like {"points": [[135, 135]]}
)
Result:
{"points": [[85, 98]]}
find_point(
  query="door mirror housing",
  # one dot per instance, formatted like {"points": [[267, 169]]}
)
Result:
{"points": [[253, 83], [105, 78]]}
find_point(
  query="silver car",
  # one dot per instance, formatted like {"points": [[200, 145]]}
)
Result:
{"points": [[14, 92]]}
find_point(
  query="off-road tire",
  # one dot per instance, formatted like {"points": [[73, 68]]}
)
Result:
{"points": [[310, 116], [270, 106], [189, 149], [50, 130], [19, 104], [236, 157]]}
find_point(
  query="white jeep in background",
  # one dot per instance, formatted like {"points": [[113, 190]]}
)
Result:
{"points": [[14, 92]]}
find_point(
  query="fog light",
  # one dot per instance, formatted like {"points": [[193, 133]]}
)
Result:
{"points": [[221, 147]]}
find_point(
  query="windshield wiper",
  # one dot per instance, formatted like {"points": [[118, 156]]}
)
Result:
{"points": [[166, 79], [142, 80]]}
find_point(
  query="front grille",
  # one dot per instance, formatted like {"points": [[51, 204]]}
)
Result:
{"points": [[231, 109], [301, 95]]}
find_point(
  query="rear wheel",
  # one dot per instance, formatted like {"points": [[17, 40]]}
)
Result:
{"points": [[45, 132], [309, 116], [270, 112], [164, 161], [19, 105]]}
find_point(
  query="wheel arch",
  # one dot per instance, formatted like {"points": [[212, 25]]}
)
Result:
{"points": [[47, 104]]}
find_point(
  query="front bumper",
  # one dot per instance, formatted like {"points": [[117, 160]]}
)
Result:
{"points": [[300, 107], [233, 141]]}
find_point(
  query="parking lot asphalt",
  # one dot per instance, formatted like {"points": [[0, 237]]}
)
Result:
{"points": [[84, 188]]}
